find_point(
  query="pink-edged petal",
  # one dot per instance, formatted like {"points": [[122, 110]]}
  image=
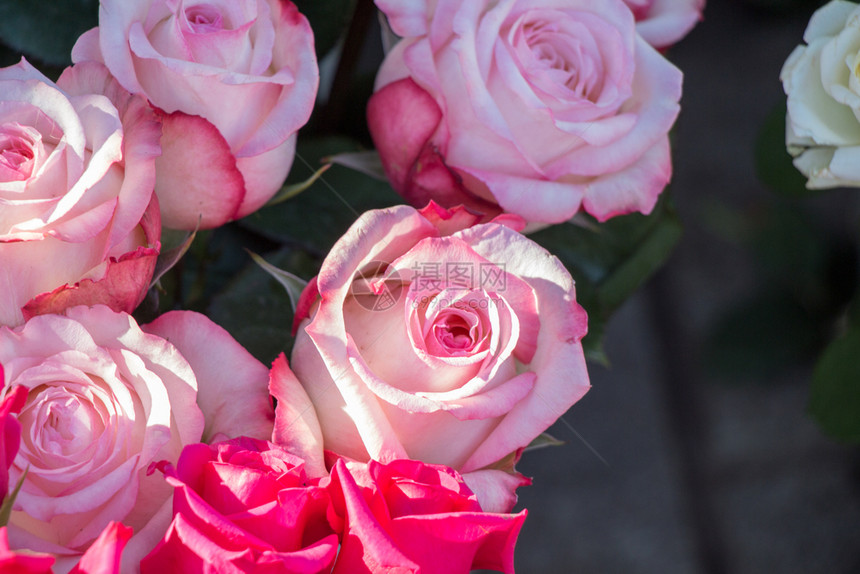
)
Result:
{"points": [[495, 489], [669, 20], [559, 362], [449, 221], [407, 18], [140, 145], [294, 51], [264, 174], [224, 371], [401, 118], [124, 282], [198, 181], [494, 402], [310, 295], [297, 428], [636, 188], [122, 288], [86, 48], [104, 556]]}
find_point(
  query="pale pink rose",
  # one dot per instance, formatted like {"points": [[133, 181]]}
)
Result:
{"points": [[535, 107], [107, 399], [78, 220], [234, 80], [663, 22], [103, 557], [407, 516], [427, 337]]}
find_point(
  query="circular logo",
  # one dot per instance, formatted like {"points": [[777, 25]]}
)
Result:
{"points": [[377, 287]]}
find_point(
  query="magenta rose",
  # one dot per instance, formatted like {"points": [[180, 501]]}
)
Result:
{"points": [[427, 337], [234, 81], [535, 107], [13, 402], [663, 22], [107, 398], [103, 557], [407, 516], [244, 505], [78, 221]]}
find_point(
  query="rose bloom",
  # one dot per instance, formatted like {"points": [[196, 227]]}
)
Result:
{"points": [[244, 505], [103, 557], [13, 402], [105, 400], [661, 23], [822, 82], [234, 80], [426, 337], [78, 221], [534, 107], [407, 516]]}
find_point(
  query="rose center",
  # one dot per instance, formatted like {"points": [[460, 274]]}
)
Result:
{"points": [[16, 152], [559, 55], [453, 333], [68, 426], [204, 19]]}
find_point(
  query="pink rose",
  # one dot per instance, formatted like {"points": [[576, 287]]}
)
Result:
{"points": [[103, 557], [407, 516], [663, 22], [78, 221], [234, 80], [107, 399], [534, 107], [244, 505], [426, 337]]}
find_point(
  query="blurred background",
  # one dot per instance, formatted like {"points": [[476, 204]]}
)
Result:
{"points": [[694, 452]]}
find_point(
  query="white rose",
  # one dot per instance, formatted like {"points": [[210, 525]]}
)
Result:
{"points": [[823, 87]]}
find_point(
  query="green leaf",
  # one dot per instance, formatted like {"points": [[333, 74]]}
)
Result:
{"points": [[168, 258], [256, 310], [610, 260], [9, 501], [321, 215], [543, 440], [835, 395], [366, 162], [289, 191], [292, 285], [48, 30], [329, 20], [773, 163]]}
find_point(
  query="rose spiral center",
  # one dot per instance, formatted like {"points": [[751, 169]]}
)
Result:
{"points": [[204, 18], [17, 152], [63, 423], [565, 59], [452, 332]]}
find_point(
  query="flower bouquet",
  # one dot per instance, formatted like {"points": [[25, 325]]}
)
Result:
{"points": [[151, 419]]}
